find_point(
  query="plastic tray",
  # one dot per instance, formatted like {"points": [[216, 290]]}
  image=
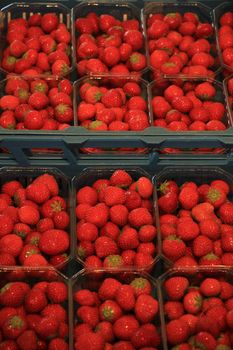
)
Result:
{"points": [[33, 276], [26, 175], [122, 11], [195, 277], [88, 176], [202, 11], [25, 10], [198, 174], [92, 280]]}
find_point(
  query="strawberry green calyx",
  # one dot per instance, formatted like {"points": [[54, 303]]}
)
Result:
{"points": [[134, 58], [171, 14], [163, 187], [114, 261], [213, 194], [35, 240], [16, 322], [139, 283], [210, 256], [108, 313], [11, 60], [61, 108], [5, 288], [56, 206], [81, 252], [31, 252], [64, 69], [198, 301], [98, 96], [222, 347], [40, 87]]}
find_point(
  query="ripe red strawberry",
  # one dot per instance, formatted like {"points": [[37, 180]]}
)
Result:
{"points": [[128, 238], [6, 225], [110, 311], [168, 202], [144, 187], [27, 340], [114, 195], [35, 301], [216, 196], [175, 287], [105, 246], [84, 297], [177, 332], [188, 198], [173, 248], [12, 294], [97, 215], [210, 287], [89, 315], [50, 181], [210, 259], [125, 297], [146, 337], [187, 229], [47, 327], [202, 245], [193, 302], [225, 212], [173, 309], [125, 327], [108, 288], [94, 341], [120, 178], [53, 242], [106, 330], [28, 215], [113, 261], [146, 308], [14, 326], [57, 292], [141, 286]]}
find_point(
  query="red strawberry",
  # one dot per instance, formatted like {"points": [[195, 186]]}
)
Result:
{"points": [[27, 340], [121, 178], [105, 246], [12, 294], [113, 261], [146, 308], [193, 302], [188, 198], [144, 187], [84, 297], [28, 215], [168, 202], [173, 248], [175, 287], [14, 326], [146, 336], [106, 330], [6, 225], [110, 311], [108, 288], [210, 287], [226, 213], [53, 242], [90, 341], [97, 215], [216, 196], [125, 297], [173, 309], [177, 332], [58, 343], [47, 327], [35, 301], [187, 229], [202, 245], [57, 292], [89, 315], [128, 238], [125, 327], [114, 195]]}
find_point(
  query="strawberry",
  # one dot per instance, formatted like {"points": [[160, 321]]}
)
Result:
{"points": [[146, 308], [113, 261], [97, 215], [12, 294], [141, 286], [57, 292], [53, 242], [225, 212], [84, 297], [35, 301], [105, 246], [87, 195], [58, 343], [106, 330], [93, 341], [28, 215], [27, 340], [128, 239], [168, 202], [47, 327], [125, 345], [108, 288], [6, 225], [125, 327], [110, 311], [125, 297], [14, 326], [177, 332], [210, 228], [114, 195], [173, 309], [89, 315], [216, 196], [147, 335], [175, 287], [193, 302], [144, 187], [120, 178], [202, 245], [210, 259], [173, 247], [188, 198], [55, 311], [187, 229], [210, 287], [50, 181]]}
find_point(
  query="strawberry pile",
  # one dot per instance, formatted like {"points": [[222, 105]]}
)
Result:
{"points": [[33, 223], [33, 317], [117, 316], [188, 106], [180, 44], [196, 223], [36, 104], [225, 38], [199, 314], [115, 225], [103, 106], [39, 45], [106, 44]]}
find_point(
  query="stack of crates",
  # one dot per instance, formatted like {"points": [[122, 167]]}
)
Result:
{"points": [[77, 155]]}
